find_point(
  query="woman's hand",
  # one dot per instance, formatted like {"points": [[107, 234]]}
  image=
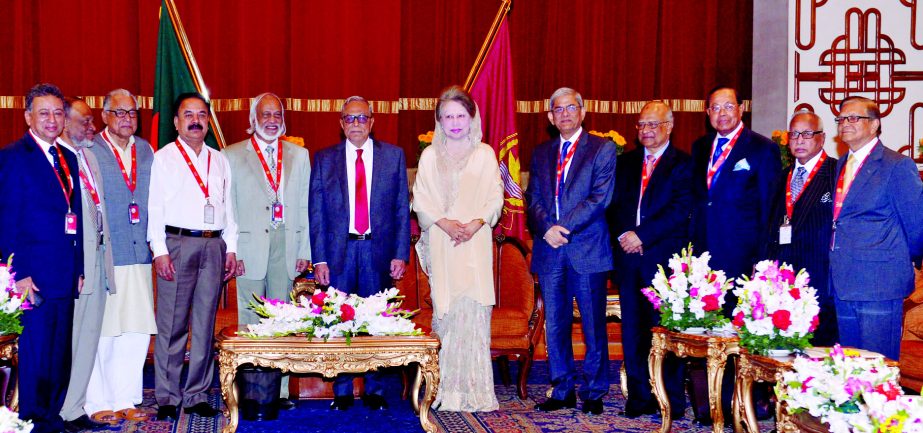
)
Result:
{"points": [[453, 228]]}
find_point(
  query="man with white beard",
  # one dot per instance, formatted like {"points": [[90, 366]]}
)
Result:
{"points": [[98, 274], [271, 180]]}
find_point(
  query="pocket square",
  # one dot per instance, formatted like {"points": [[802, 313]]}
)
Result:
{"points": [[827, 198], [742, 165]]}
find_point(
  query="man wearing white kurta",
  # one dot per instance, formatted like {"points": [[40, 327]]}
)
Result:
{"points": [[128, 323]]}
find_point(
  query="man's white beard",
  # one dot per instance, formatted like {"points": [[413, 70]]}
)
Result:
{"points": [[267, 136], [83, 144]]}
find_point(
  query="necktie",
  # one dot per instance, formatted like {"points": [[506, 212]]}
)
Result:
{"points": [[362, 204], [95, 216], [56, 162], [564, 148], [718, 148], [850, 174], [271, 160], [649, 165], [798, 182]]}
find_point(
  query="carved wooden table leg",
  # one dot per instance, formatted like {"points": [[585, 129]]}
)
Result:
{"points": [[227, 370], [655, 369], [430, 372], [716, 361], [415, 389], [744, 419]]}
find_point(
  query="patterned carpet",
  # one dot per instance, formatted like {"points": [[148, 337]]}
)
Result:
{"points": [[514, 416]]}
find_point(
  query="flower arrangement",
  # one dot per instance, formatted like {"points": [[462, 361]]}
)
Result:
{"points": [[10, 422], [296, 140], [425, 140], [332, 313], [692, 296], [780, 138], [12, 303], [776, 309], [614, 137], [850, 393]]}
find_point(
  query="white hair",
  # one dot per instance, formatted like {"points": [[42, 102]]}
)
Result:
{"points": [[562, 92], [356, 99], [820, 122], [107, 101]]}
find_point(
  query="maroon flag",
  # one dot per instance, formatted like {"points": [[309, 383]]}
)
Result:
{"points": [[492, 89]]}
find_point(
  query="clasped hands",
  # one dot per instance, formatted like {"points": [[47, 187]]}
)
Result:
{"points": [[631, 243], [458, 231]]}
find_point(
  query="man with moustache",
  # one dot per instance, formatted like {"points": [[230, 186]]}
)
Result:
{"points": [[801, 214], [40, 216], [272, 177], [650, 218], [193, 235], [877, 232], [98, 274], [125, 162], [571, 186], [365, 179]]}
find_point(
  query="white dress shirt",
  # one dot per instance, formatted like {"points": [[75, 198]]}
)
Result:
{"points": [[862, 153], [124, 154], [808, 166], [351, 155], [177, 200], [275, 144], [643, 163], [45, 147], [714, 143], [574, 136]]}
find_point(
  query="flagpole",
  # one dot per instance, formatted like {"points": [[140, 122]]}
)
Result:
{"points": [[488, 42], [197, 79]]}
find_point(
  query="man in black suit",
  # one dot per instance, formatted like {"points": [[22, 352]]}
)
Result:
{"points": [[802, 213], [649, 217]]}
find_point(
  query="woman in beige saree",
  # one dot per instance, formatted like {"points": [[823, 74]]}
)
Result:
{"points": [[458, 196]]}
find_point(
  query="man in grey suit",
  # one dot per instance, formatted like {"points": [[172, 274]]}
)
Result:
{"points": [[271, 176], [877, 232], [97, 256], [360, 222]]}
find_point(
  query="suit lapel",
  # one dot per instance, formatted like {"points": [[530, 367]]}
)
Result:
{"points": [[40, 164], [811, 195], [579, 158], [553, 150], [339, 167], [867, 171], [378, 163], [287, 162], [739, 152]]}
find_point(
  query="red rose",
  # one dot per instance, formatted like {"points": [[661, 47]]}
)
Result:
{"points": [[347, 312], [739, 319], [788, 276], [782, 319], [888, 390], [814, 322], [711, 303], [795, 293], [318, 298]]}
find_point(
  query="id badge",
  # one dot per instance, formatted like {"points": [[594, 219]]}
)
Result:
{"points": [[785, 234], [134, 213], [277, 212], [209, 214], [70, 223], [99, 220]]}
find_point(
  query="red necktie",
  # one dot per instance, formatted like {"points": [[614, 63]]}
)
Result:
{"points": [[362, 201]]}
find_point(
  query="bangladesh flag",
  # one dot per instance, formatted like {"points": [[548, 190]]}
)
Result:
{"points": [[176, 73]]}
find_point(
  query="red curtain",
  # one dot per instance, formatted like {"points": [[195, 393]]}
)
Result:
{"points": [[385, 50]]}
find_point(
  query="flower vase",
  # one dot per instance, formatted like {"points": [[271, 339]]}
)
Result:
{"points": [[694, 330], [779, 353]]}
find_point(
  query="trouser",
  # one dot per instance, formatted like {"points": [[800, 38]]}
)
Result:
{"points": [[44, 363], [873, 325], [117, 381]]}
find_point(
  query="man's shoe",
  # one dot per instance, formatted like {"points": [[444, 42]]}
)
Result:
{"points": [[285, 404], [676, 415], [553, 404], [342, 402], [84, 423], [166, 412], [202, 409], [594, 406], [375, 402], [634, 412]]}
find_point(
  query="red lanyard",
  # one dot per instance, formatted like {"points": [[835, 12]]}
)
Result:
{"points": [[724, 154], [88, 184], [842, 190], [789, 200], [644, 177], [195, 173], [563, 164], [131, 182], [273, 183], [66, 189]]}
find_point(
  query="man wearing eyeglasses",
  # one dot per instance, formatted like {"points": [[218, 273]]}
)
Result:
{"points": [[360, 223], [649, 219], [877, 232], [572, 181], [271, 176], [128, 323], [802, 211]]}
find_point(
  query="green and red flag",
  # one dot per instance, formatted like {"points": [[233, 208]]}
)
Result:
{"points": [[177, 73]]}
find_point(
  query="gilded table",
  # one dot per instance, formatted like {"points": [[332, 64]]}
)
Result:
{"points": [[714, 348], [298, 355], [9, 351]]}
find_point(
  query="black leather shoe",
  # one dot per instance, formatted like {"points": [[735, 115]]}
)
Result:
{"points": [[553, 404], [343, 402], [84, 423], [594, 406], [676, 415], [202, 409], [634, 412], [166, 412], [375, 402], [285, 404]]}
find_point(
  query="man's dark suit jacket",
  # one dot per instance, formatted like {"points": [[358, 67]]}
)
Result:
{"points": [[729, 219], [389, 207], [587, 192]]}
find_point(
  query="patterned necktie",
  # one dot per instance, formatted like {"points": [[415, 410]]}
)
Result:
{"points": [[273, 198], [362, 204], [649, 165], [798, 182], [564, 148], [718, 148], [95, 215], [850, 174], [56, 162]]}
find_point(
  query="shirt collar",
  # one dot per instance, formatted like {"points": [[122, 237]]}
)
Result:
{"points": [[732, 133], [108, 138], [659, 152], [865, 150], [41, 143], [365, 146], [572, 138], [811, 162], [189, 150], [263, 145]]}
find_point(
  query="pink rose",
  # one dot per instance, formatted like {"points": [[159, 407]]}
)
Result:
{"points": [[711, 303], [347, 312], [318, 298], [739, 319], [782, 319], [788, 276]]}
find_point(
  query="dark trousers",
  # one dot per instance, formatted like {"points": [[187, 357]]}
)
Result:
{"points": [[638, 318], [45, 363], [359, 276], [873, 325], [187, 304], [561, 284]]}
